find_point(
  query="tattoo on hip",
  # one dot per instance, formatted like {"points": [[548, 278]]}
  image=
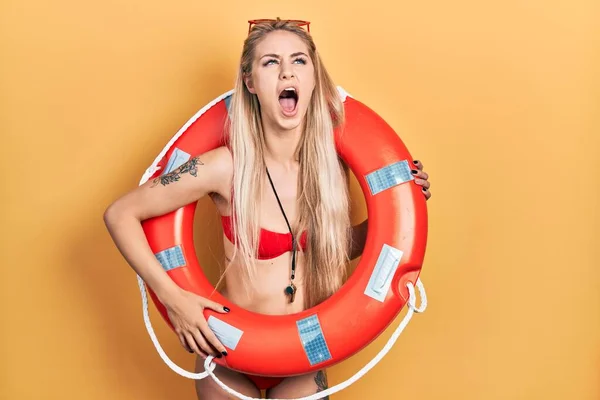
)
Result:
{"points": [[321, 381]]}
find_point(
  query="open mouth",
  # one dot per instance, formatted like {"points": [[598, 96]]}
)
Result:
{"points": [[288, 98]]}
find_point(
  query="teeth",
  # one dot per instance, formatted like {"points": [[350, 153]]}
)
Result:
{"points": [[290, 89]]}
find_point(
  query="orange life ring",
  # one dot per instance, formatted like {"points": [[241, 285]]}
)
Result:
{"points": [[372, 296]]}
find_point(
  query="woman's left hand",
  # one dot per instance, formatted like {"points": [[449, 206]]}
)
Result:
{"points": [[421, 178]]}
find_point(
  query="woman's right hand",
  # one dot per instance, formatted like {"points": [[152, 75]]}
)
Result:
{"points": [[186, 312]]}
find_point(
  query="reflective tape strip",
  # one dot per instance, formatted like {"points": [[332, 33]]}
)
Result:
{"points": [[171, 258], [313, 340], [228, 102], [389, 176], [177, 158], [227, 334]]}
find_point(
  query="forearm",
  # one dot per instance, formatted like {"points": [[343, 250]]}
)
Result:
{"points": [[359, 237], [128, 236]]}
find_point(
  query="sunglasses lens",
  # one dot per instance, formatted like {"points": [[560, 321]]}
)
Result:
{"points": [[300, 23]]}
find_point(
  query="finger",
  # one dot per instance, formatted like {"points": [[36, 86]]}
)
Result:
{"points": [[426, 192], [418, 164], [191, 343], [212, 338], [199, 338], [214, 306], [423, 182], [184, 343], [419, 174]]}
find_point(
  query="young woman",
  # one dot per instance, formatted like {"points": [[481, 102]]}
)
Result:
{"points": [[282, 194]]}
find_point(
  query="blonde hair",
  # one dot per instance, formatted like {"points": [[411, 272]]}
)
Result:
{"points": [[322, 186]]}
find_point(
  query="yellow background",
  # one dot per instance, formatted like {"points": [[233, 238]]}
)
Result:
{"points": [[499, 99]]}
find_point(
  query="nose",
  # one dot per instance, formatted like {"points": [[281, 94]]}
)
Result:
{"points": [[287, 71]]}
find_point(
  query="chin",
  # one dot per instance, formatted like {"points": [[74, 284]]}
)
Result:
{"points": [[289, 124]]}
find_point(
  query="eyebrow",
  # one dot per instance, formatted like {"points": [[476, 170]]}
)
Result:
{"points": [[299, 53]]}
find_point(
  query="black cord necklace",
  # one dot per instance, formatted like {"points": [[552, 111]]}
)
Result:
{"points": [[290, 290]]}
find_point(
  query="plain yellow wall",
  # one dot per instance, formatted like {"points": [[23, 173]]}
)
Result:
{"points": [[500, 99]]}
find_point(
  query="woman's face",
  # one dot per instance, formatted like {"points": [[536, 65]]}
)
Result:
{"points": [[283, 78]]}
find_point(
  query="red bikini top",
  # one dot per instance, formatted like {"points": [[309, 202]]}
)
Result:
{"points": [[270, 244]]}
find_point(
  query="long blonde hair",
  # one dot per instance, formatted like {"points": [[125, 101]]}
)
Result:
{"points": [[322, 186]]}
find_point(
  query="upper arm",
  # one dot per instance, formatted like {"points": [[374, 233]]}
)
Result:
{"points": [[207, 173]]}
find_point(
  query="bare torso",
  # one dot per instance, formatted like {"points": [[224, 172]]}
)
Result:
{"points": [[272, 275]]}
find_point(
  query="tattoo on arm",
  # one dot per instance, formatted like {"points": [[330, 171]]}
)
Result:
{"points": [[321, 381], [190, 166]]}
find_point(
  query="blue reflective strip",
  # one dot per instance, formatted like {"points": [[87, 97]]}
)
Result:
{"points": [[389, 176], [313, 340], [228, 102], [171, 258], [178, 157]]}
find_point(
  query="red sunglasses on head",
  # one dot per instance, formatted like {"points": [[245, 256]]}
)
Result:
{"points": [[297, 22]]}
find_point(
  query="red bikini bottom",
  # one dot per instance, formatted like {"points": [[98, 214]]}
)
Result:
{"points": [[265, 382]]}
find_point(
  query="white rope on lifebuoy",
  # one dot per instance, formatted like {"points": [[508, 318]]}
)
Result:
{"points": [[159, 349], [154, 167], [209, 366], [149, 172]]}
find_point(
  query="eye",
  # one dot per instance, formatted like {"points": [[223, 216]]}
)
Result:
{"points": [[300, 60], [269, 62]]}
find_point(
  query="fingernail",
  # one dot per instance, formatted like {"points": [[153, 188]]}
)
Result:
{"points": [[191, 351], [224, 353], [424, 189], [414, 171], [416, 162], [226, 309]]}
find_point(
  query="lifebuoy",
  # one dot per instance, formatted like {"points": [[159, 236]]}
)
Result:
{"points": [[365, 305]]}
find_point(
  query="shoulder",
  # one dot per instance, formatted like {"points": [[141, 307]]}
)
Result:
{"points": [[220, 163]]}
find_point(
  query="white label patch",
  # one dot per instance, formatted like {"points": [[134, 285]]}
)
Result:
{"points": [[227, 334], [384, 271]]}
